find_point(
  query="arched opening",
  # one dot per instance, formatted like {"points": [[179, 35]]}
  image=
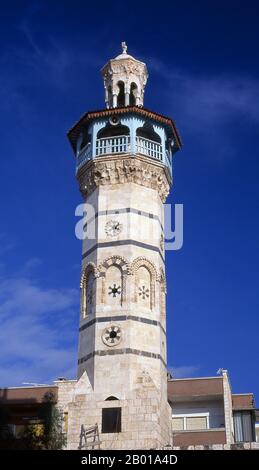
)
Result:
{"points": [[145, 281], [114, 270], [111, 130], [113, 286], [87, 292], [147, 131], [143, 287], [111, 398], [121, 94], [133, 93]]}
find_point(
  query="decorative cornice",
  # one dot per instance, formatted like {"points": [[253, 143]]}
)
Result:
{"points": [[124, 169]]}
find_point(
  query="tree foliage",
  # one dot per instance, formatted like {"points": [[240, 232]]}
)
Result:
{"points": [[48, 434]]}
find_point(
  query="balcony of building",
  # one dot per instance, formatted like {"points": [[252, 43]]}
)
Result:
{"points": [[202, 437], [116, 138], [198, 416]]}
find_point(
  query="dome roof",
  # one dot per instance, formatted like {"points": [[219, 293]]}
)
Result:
{"points": [[124, 55]]}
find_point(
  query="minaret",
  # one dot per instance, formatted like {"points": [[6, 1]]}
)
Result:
{"points": [[124, 169]]}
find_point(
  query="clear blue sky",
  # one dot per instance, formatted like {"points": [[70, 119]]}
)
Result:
{"points": [[204, 72]]}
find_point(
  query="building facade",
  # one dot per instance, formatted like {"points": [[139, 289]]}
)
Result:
{"points": [[204, 413], [122, 392]]}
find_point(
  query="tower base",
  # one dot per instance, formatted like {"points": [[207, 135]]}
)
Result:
{"points": [[144, 417]]}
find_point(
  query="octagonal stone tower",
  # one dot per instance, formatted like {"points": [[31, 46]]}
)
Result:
{"points": [[124, 169]]}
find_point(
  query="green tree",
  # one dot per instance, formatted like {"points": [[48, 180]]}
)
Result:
{"points": [[49, 433]]}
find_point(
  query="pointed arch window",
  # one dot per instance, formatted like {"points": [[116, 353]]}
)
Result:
{"points": [[145, 282], [143, 286], [133, 94], [87, 292]]}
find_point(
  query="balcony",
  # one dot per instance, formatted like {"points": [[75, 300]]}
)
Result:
{"points": [[83, 156], [202, 437], [149, 148], [123, 144], [112, 145]]}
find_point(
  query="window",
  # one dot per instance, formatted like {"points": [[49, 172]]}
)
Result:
{"points": [[178, 424], [191, 422], [111, 420], [196, 422], [244, 426], [65, 422]]}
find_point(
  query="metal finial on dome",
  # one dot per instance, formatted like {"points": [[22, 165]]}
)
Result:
{"points": [[124, 47]]}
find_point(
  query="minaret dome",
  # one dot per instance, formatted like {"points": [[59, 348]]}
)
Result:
{"points": [[124, 80]]}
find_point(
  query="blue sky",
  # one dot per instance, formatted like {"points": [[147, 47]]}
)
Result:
{"points": [[204, 72]]}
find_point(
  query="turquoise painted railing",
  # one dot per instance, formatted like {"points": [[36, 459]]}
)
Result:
{"points": [[83, 156], [108, 145], [149, 147], [122, 144]]}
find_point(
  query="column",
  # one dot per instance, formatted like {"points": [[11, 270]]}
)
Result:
{"points": [[114, 100]]}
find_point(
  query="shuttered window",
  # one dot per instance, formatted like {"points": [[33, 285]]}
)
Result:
{"points": [[190, 422], [178, 424], [194, 423]]}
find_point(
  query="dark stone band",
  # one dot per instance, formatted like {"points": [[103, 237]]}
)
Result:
{"points": [[125, 211], [120, 243], [121, 318], [113, 352]]}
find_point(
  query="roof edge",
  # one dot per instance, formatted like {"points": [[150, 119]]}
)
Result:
{"points": [[32, 387], [195, 378], [89, 115]]}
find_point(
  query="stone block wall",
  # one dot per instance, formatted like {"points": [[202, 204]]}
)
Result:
{"points": [[145, 415]]}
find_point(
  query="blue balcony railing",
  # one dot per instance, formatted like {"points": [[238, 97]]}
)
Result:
{"points": [[108, 145], [122, 145], [83, 156]]}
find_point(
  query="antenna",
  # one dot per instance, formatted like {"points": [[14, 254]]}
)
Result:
{"points": [[35, 384], [221, 371]]}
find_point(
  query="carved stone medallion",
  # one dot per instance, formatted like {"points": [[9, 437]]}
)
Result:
{"points": [[113, 228], [112, 335]]}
